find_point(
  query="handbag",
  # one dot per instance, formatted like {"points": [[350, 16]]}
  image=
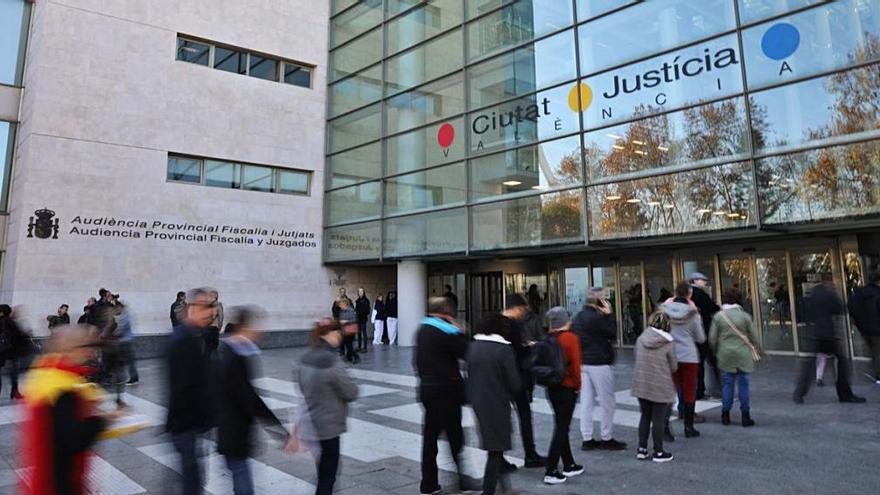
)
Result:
{"points": [[756, 356]]}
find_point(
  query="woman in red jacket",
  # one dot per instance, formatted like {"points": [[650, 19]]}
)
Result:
{"points": [[563, 398]]}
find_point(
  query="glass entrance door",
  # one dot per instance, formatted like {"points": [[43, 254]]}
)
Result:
{"points": [[809, 269], [487, 295], [736, 273], [774, 303]]}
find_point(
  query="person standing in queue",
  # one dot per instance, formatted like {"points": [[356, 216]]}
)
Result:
{"points": [[597, 330], [348, 323], [340, 295], [363, 309], [378, 320], [391, 317], [440, 346], [563, 398], [494, 380], [708, 371], [189, 400], [687, 331], [864, 307], [178, 309], [327, 389], [652, 384], [823, 305]]}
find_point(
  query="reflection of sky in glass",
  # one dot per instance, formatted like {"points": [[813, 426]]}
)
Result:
{"points": [[587, 9], [517, 23], [420, 149], [684, 91], [830, 37], [11, 16], [754, 10], [650, 27]]}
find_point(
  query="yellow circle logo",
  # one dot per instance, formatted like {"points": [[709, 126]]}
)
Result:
{"points": [[580, 97]]}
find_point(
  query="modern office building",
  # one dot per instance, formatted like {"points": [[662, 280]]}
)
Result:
{"points": [[493, 145], [151, 147]]}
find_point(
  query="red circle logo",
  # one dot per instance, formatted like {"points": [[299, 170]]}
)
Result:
{"points": [[445, 135]]}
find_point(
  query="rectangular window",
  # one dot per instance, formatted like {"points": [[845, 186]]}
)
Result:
{"points": [[222, 174], [366, 15], [354, 129], [354, 56], [263, 68], [355, 91], [14, 18], [424, 147], [422, 23], [183, 169], [257, 178], [516, 24], [428, 233], [7, 145], [424, 190], [433, 101], [292, 182], [533, 221], [353, 242], [353, 166], [361, 202], [429, 61], [193, 52], [230, 60], [587, 9], [298, 75], [755, 10]]}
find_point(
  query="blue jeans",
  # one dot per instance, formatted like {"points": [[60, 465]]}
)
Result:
{"points": [[186, 444], [242, 483], [741, 379]]}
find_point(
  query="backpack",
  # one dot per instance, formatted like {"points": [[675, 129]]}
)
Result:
{"points": [[548, 364]]}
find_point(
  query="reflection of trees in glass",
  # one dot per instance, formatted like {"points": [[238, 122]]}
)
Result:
{"points": [[543, 219], [561, 216]]}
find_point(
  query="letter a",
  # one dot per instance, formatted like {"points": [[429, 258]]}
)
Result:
{"points": [[785, 68]]}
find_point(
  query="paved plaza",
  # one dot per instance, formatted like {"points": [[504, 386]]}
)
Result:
{"points": [[821, 447]]}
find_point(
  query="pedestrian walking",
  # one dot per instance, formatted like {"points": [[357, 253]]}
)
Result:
{"points": [[61, 317], [125, 343], [239, 405], [652, 384], [821, 361], [378, 320], [687, 331], [494, 380], [708, 376], [327, 389], [62, 417], [178, 309], [734, 342], [822, 306], [391, 317], [363, 309], [596, 328], [563, 397], [212, 336], [189, 399], [517, 309], [13, 344], [440, 346], [864, 307]]}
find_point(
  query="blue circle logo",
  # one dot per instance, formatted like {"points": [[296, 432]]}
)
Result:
{"points": [[780, 41]]}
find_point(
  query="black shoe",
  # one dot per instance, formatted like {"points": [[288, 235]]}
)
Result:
{"points": [[590, 445], [573, 470], [820, 382], [435, 491], [612, 445], [747, 420], [132, 382], [725, 418], [662, 456], [466, 487], [535, 461], [508, 467], [797, 399], [642, 454], [667, 435], [690, 432], [853, 399], [554, 478]]}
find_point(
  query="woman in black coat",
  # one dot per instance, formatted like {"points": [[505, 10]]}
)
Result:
{"points": [[493, 381], [239, 404]]}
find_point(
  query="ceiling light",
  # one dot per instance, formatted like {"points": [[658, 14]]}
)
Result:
{"points": [[640, 152], [613, 197], [539, 187], [814, 186], [733, 215], [669, 207], [511, 183], [719, 213], [640, 143], [703, 211], [634, 200], [653, 203], [771, 183], [662, 148], [617, 147], [614, 136]]}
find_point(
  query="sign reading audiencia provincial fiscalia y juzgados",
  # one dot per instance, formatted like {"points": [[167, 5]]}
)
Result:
{"points": [[708, 71]]}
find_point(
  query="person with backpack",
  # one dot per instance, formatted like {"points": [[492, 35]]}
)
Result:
{"points": [[652, 384], [864, 307], [564, 350]]}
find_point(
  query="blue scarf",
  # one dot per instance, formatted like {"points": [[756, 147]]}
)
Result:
{"points": [[443, 326]]}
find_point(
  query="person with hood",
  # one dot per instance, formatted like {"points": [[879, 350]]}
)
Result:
{"points": [[327, 390], [362, 308], [378, 320], [440, 346], [494, 381], [652, 384], [687, 331], [239, 405], [391, 317], [735, 343], [864, 307]]}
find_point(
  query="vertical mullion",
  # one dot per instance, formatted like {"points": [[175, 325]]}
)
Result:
{"points": [[756, 197], [585, 202], [791, 301], [467, 135]]}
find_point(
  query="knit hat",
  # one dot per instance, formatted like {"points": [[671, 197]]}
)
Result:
{"points": [[557, 317]]}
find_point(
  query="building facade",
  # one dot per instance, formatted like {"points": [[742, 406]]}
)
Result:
{"points": [[552, 145], [158, 146]]}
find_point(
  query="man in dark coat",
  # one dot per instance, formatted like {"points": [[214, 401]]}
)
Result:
{"points": [[707, 307], [13, 344], [239, 405], [822, 306], [864, 307], [189, 411], [440, 345], [362, 309], [178, 309], [494, 380]]}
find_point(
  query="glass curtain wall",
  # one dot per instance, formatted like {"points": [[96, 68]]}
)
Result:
{"points": [[583, 121]]}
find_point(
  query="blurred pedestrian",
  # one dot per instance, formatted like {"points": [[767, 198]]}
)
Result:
{"points": [[563, 397], [597, 329], [864, 307], [735, 343], [189, 400], [62, 416], [708, 375], [687, 330], [821, 362], [340, 294], [378, 320], [532, 333], [239, 405], [440, 346], [61, 317], [652, 384], [453, 299], [348, 324], [178, 309], [212, 337], [363, 309], [327, 389], [87, 309], [822, 306], [494, 381], [13, 341], [391, 317], [125, 342]]}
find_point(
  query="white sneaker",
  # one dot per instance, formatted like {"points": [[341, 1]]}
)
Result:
{"points": [[554, 478], [642, 454]]}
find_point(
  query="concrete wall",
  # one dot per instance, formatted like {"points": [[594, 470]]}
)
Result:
{"points": [[105, 101]]}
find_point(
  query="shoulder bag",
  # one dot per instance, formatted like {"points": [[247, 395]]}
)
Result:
{"points": [[756, 356]]}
